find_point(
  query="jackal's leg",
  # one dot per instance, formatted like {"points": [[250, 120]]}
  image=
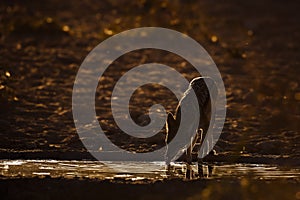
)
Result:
{"points": [[195, 142], [190, 150], [198, 141]]}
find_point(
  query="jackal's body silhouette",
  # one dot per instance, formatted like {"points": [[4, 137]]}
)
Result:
{"points": [[198, 85]]}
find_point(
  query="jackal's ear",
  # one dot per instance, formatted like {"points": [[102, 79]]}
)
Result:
{"points": [[170, 120]]}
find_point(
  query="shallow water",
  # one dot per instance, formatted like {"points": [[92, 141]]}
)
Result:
{"points": [[141, 171]]}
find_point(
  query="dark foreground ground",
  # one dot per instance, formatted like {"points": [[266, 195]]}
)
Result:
{"points": [[255, 45], [173, 189]]}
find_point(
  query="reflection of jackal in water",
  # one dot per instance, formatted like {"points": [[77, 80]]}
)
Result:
{"points": [[173, 122]]}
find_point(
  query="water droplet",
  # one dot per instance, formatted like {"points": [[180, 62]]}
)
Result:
{"points": [[183, 64], [174, 21], [18, 46], [214, 39], [144, 34], [7, 74], [108, 31], [234, 124], [49, 20], [163, 4], [118, 21], [66, 28]]}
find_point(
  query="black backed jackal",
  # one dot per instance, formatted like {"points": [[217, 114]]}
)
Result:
{"points": [[173, 122]]}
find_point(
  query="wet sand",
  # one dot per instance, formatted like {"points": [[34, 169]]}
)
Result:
{"points": [[177, 189]]}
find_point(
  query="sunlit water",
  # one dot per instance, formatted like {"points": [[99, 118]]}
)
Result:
{"points": [[140, 171]]}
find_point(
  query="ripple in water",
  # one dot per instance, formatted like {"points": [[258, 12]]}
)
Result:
{"points": [[139, 171]]}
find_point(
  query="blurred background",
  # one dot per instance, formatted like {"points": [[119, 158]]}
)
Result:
{"points": [[255, 45]]}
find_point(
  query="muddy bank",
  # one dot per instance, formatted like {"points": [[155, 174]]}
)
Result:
{"points": [[208, 189]]}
